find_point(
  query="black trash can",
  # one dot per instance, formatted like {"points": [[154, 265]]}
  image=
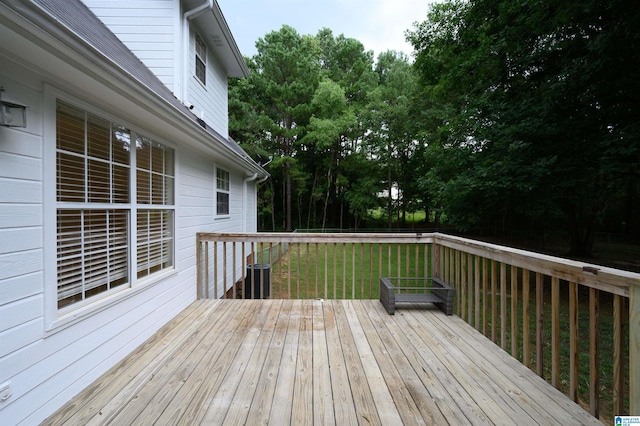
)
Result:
{"points": [[261, 279]]}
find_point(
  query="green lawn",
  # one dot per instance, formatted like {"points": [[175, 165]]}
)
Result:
{"points": [[352, 271]]}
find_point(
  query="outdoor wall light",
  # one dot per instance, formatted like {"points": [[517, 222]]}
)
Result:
{"points": [[12, 114]]}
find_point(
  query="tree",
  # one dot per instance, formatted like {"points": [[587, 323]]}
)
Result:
{"points": [[542, 123], [332, 120], [392, 129], [284, 79]]}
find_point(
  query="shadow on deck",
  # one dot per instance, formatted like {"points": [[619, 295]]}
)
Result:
{"points": [[324, 362]]}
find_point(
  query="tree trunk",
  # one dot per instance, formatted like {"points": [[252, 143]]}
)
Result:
{"points": [[311, 200], [326, 199], [287, 179], [389, 198], [273, 208]]}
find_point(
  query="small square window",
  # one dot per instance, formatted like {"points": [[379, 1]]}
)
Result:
{"points": [[201, 60]]}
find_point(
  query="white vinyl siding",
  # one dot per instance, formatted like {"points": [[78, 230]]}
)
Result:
{"points": [[210, 102], [50, 369], [21, 211], [47, 357], [147, 27], [152, 30]]}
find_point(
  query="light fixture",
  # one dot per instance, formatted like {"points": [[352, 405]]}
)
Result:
{"points": [[12, 114]]}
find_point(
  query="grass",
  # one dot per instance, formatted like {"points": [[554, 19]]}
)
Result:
{"points": [[380, 214], [303, 272]]}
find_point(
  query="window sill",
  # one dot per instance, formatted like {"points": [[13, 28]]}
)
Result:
{"points": [[82, 313], [222, 217]]}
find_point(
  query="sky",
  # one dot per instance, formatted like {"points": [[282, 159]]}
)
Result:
{"points": [[378, 24]]}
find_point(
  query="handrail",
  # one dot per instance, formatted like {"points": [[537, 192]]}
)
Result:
{"points": [[604, 278], [495, 288]]}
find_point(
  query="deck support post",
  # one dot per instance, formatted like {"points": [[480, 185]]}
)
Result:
{"points": [[634, 349]]}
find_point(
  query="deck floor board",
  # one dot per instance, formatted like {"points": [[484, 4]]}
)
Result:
{"points": [[318, 362]]}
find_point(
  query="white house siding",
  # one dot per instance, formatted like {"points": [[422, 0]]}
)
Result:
{"points": [[149, 28], [46, 369], [210, 102], [152, 29]]}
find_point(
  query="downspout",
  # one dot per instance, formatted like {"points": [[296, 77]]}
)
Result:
{"points": [[186, 17], [244, 200]]}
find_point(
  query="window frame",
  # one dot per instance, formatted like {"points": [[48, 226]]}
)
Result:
{"points": [[200, 58], [222, 191], [60, 318]]}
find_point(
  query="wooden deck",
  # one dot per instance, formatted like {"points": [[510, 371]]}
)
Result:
{"points": [[318, 362]]}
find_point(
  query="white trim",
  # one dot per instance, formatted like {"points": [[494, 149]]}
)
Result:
{"points": [[178, 47], [105, 301], [50, 298]]}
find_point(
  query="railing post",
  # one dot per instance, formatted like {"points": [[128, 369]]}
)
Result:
{"points": [[634, 348], [198, 266], [435, 261]]}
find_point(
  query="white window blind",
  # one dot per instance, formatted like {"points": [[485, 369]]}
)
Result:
{"points": [[155, 175], [96, 203]]}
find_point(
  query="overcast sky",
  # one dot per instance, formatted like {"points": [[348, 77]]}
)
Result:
{"points": [[378, 24]]}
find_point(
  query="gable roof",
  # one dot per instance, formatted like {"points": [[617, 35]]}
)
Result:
{"points": [[76, 18], [217, 32]]}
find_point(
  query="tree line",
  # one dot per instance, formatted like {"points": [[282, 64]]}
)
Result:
{"points": [[514, 114]]}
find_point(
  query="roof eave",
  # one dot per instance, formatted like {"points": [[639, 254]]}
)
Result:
{"points": [[219, 36]]}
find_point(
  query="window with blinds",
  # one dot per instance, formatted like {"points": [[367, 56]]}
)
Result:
{"points": [[222, 192], [155, 176], [201, 60], [96, 202]]}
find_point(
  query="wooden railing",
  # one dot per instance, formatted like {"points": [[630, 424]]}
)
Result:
{"points": [[532, 305]]}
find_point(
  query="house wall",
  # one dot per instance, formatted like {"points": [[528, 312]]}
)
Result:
{"points": [[211, 101], [149, 28], [152, 29], [45, 368]]}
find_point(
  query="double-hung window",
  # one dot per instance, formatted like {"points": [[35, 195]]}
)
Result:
{"points": [[201, 60], [114, 206], [222, 192]]}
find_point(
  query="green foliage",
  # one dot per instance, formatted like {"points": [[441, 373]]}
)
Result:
{"points": [[530, 112], [308, 104]]}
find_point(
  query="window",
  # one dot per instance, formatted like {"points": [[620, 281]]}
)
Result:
{"points": [[154, 221], [222, 192], [201, 60], [96, 201]]}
